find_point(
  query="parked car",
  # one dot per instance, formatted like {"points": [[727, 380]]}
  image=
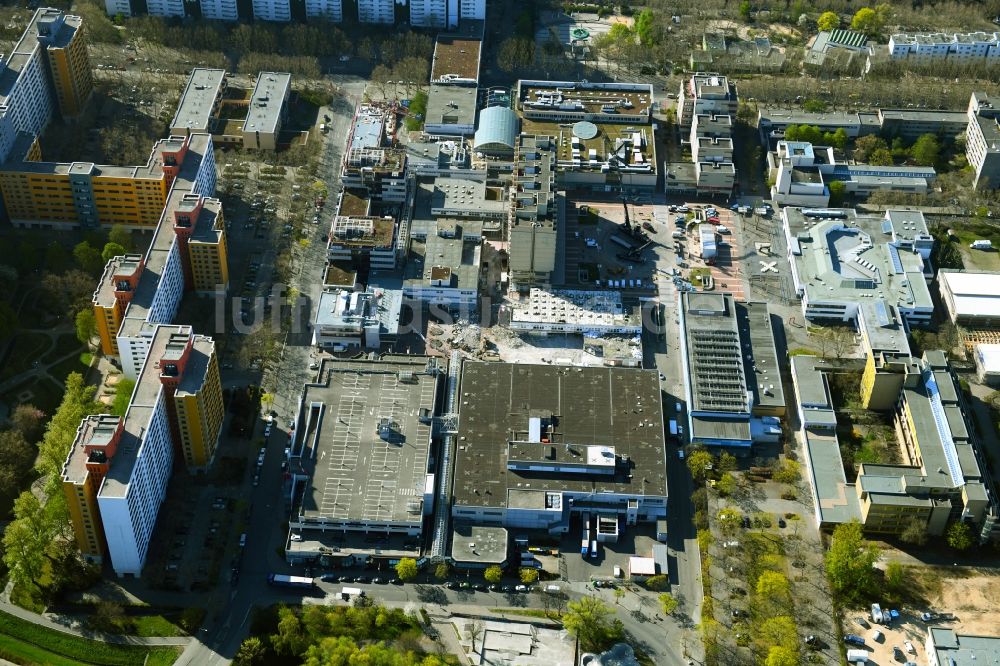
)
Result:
{"points": [[909, 647], [854, 639], [862, 622]]}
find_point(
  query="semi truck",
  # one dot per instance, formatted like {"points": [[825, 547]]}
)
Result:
{"points": [[281, 580]]}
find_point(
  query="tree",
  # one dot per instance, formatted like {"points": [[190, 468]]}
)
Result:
{"points": [[959, 536], [528, 575], [668, 603], [657, 582], [726, 485], [700, 463], [914, 532], [69, 292], [837, 139], [592, 622], [773, 585], [112, 250], [894, 576], [251, 652], [123, 396], [828, 21], [926, 150], [837, 189], [870, 21], [17, 456], [86, 325], [727, 462], [644, 27], [780, 655], [850, 562], [88, 258], [493, 574], [29, 421], [442, 571], [864, 146], [120, 235], [779, 631], [745, 11], [789, 472], [406, 569], [475, 631], [619, 593], [515, 53], [881, 157], [25, 540]]}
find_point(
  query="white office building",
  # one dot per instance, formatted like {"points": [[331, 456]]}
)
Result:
{"points": [[434, 13], [376, 11], [220, 10], [331, 10], [272, 10], [472, 9], [116, 7]]}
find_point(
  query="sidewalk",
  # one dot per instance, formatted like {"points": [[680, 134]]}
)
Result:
{"points": [[64, 625]]}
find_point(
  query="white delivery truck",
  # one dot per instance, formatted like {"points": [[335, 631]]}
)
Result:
{"points": [[855, 656], [349, 592]]}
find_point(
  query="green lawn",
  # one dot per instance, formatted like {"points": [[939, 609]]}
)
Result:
{"points": [[27, 642], [966, 232]]}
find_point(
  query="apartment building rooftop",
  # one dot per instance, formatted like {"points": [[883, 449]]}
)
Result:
{"points": [[367, 436], [606, 422], [197, 105], [456, 59], [445, 262], [266, 102], [196, 370], [144, 397], [164, 236], [42, 22], [127, 264], [715, 86], [95, 431]]}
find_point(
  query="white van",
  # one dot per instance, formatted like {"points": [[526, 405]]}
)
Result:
{"points": [[552, 589]]}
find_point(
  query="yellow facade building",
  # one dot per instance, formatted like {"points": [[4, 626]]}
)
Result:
{"points": [[199, 408], [86, 466], [69, 65]]}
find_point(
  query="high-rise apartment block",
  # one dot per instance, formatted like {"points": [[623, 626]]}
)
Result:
{"points": [[116, 473], [47, 69], [420, 13]]}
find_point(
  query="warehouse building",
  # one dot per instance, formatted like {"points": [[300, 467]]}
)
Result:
{"points": [[971, 298]]}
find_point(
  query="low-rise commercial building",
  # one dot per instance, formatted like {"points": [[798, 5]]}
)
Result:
{"points": [[942, 478], [573, 101], [539, 445], [496, 134], [268, 110], [456, 60], [451, 110], [732, 382], [536, 211], [841, 261], [590, 313], [367, 239], [971, 298], [946, 647], [363, 464], [367, 319], [803, 172], [116, 473], [987, 359]]}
